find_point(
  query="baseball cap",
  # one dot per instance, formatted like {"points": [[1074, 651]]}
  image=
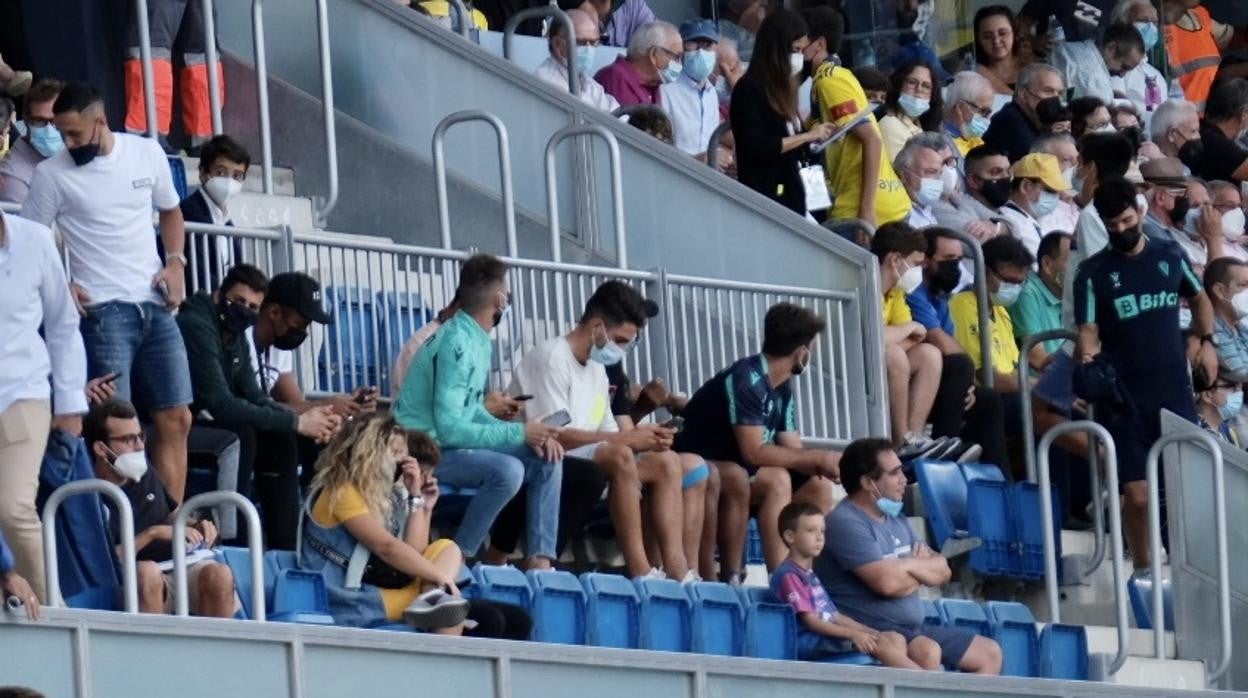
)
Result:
{"points": [[698, 29], [652, 308], [1041, 166], [298, 291]]}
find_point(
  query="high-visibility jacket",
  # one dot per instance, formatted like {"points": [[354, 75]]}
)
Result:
{"points": [[1194, 57]]}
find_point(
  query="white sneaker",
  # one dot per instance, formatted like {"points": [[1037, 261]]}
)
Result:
{"points": [[654, 573], [691, 577], [436, 609]]}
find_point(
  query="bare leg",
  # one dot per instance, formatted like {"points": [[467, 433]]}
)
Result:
{"points": [[734, 514], [890, 649], [661, 473], [819, 491], [1135, 521], [648, 525], [694, 502], [982, 657], [710, 526], [151, 587], [925, 365], [925, 652], [897, 365], [624, 501], [169, 448], [772, 489], [215, 587]]}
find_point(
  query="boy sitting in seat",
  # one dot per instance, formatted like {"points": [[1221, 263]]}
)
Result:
{"points": [[822, 630]]}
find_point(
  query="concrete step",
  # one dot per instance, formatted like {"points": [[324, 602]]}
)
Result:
{"points": [[283, 177], [1147, 672], [1104, 639]]}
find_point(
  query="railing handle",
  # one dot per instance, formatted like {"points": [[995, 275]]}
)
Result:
{"points": [[986, 376], [145, 61], [1024, 389], [129, 566], [465, 19], [504, 173], [1152, 466], [712, 145], [254, 546], [327, 110], [569, 33], [617, 187], [210, 55], [262, 94]]}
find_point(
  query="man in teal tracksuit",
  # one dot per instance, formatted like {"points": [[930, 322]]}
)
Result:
{"points": [[443, 395]]}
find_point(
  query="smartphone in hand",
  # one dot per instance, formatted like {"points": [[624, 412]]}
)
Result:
{"points": [[677, 423], [522, 398], [558, 419], [162, 287]]}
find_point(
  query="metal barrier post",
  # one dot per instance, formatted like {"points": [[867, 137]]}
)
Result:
{"points": [[211, 58], [569, 32], [1098, 432], [986, 376], [145, 60], [1219, 521], [460, 11], [129, 573], [504, 173], [712, 145], [617, 188], [262, 94], [327, 109], [254, 546], [1024, 389]]}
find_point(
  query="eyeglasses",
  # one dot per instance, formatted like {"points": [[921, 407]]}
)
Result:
{"points": [[588, 42], [918, 85], [129, 440], [670, 54], [985, 112]]}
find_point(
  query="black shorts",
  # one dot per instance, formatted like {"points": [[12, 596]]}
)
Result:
{"points": [[1134, 435], [954, 642]]}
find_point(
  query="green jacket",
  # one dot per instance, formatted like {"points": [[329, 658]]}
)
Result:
{"points": [[222, 376], [443, 394]]}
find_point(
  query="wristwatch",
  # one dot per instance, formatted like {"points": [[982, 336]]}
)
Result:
{"points": [[415, 503], [176, 257]]}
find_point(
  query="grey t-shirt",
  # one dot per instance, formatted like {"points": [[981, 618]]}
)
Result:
{"points": [[855, 539]]}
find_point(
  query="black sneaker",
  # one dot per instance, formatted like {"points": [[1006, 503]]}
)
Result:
{"points": [[435, 609]]}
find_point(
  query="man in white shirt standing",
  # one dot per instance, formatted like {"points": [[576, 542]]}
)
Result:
{"points": [[691, 101], [555, 68], [34, 294], [1035, 192], [101, 191]]}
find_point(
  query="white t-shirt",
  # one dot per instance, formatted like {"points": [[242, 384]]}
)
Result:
{"points": [[104, 210], [557, 381], [269, 365]]}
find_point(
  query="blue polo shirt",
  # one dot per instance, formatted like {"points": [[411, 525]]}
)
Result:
{"points": [[929, 309]]}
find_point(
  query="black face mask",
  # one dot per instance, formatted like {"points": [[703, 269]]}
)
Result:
{"points": [[948, 274], [799, 366], [235, 317], [290, 339], [996, 191], [1181, 207], [1126, 241], [84, 154], [1192, 153], [1051, 110]]}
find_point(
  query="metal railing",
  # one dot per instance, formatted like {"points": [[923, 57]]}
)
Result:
{"points": [[458, 10], [321, 214], [1024, 389], [145, 61], [210, 55], [504, 173], [617, 189], [262, 94], [51, 568], [1095, 432], [569, 32], [1210, 444], [255, 547], [212, 249], [987, 377], [712, 144]]}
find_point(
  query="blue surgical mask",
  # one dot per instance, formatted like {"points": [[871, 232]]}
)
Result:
{"points": [[1234, 403], [699, 64], [1148, 30], [1190, 222], [976, 127], [584, 58], [1045, 204], [930, 191], [672, 72], [913, 106], [608, 354], [47, 140], [890, 507], [1007, 294]]}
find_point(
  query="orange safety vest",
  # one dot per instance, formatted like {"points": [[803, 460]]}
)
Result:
{"points": [[1194, 57]]}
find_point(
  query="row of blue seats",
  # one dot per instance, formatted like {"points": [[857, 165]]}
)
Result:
{"points": [[1056, 652], [975, 500], [367, 335]]}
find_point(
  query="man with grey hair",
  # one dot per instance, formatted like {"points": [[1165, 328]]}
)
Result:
{"points": [[1176, 131], [1061, 146], [653, 58], [920, 165], [1228, 201], [968, 110], [1017, 125], [555, 68]]}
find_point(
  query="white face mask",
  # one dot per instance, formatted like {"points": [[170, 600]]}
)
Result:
{"points": [[910, 280], [1233, 224], [949, 179], [796, 62], [131, 466], [222, 189], [1239, 302]]}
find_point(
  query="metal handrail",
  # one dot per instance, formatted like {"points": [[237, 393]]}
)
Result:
{"points": [[254, 546], [1207, 440], [712, 144], [321, 214], [569, 33], [504, 173], [233, 232], [460, 11], [1115, 529], [262, 94], [986, 376], [145, 60], [1024, 390], [210, 55], [129, 566], [617, 187]]}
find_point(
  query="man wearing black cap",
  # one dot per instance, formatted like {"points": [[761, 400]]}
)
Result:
{"points": [[227, 394]]}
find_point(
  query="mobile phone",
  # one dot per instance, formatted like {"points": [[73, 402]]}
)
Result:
{"points": [[558, 419], [163, 287], [364, 395], [110, 378], [677, 423], [522, 398]]}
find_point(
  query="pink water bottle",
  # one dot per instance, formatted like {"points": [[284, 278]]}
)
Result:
{"points": [[1152, 93]]}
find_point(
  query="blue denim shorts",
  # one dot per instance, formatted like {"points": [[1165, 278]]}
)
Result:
{"points": [[1057, 384], [142, 344]]}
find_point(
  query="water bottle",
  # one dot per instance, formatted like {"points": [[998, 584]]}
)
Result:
{"points": [[1152, 93], [1056, 32], [1176, 90], [968, 62]]}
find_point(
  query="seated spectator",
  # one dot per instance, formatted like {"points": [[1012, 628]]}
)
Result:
{"points": [[1229, 203], [1008, 263], [1039, 306], [1180, 210], [997, 53], [1123, 116], [1017, 126], [873, 565], [1087, 67], [555, 68], [41, 142], [739, 22], [228, 397], [1226, 120], [115, 438], [690, 101], [41, 342], [620, 20], [1035, 192], [1175, 129], [874, 84], [913, 106], [1061, 146], [653, 58], [913, 367], [1089, 115], [13, 585], [823, 630], [969, 111], [1144, 85], [652, 121], [101, 192], [860, 156], [920, 165], [1226, 283], [975, 211], [443, 396], [568, 374], [223, 164], [763, 460], [1218, 403]]}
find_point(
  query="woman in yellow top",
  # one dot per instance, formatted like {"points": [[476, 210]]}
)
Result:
{"points": [[913, 106]]}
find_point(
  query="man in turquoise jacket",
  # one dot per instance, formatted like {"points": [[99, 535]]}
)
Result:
{"points": [[443, 395]]}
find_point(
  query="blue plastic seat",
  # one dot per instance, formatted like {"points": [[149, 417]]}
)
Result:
{"points": [[402, 314], [851, 659], [999, 611], [503, 583], [717, 620], [989, 519], [96, 599], [753, 543], [1029, 531], [1064, 652], [299, 596], [944, 493], [770, 625], [349, 355], [982, 471], [239, 562], [177, 170], [665, 622], [964, 613], [932, 614], [613, 610], [1014, 629], [1140, 591], [558, 607]]}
